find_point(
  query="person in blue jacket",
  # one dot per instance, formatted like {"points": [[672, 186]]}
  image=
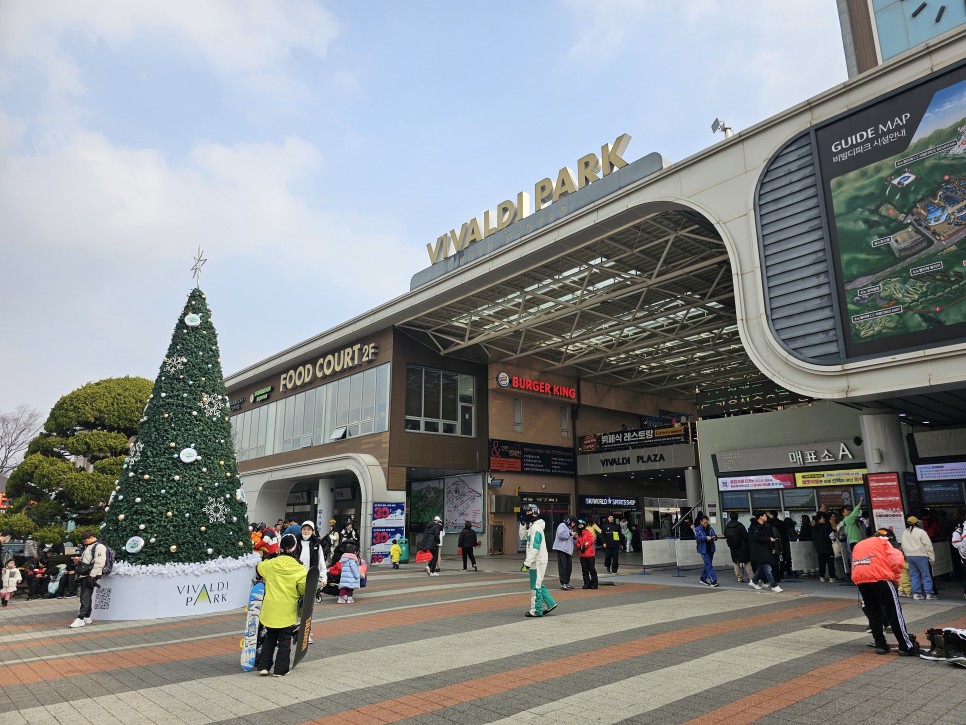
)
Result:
{"points": [[705, 536]]}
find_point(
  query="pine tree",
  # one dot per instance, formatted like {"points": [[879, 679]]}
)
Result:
{"points": [[179, 498]]}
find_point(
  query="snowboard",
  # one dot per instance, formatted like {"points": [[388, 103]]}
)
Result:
{"points": [[305, 625], [250, 638]]}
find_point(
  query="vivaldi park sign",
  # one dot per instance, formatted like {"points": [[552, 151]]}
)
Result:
{"points": [[590, 168]]}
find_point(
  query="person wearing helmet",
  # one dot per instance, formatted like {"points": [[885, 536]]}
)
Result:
{"points": [[535, 562], [284, 578], [432, 541], [584, 543], [876, 567]]}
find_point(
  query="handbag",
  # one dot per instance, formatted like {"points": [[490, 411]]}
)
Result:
{"points": [[422, 556], [82, 569]]}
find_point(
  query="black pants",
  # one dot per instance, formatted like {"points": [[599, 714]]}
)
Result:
{"points": [[565, 565], [879, 597], [38, 586], [468, 552], [86, 585], [280, 637], [612, 558], [588, 569], [826, 565], [68, 587], [434, 562]]}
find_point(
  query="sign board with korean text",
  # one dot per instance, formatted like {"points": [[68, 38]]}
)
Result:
{"points": [[799, 455], [739, 483], [831, 478], [885, 500]]}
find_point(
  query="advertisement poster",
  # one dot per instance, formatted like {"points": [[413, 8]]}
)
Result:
{"points": [[464, 502], [425, 501], [800, 500], [531, 458], [894, 178], [382, 539], [388, 514], [885, 500], [835, 498], [831, 478], [744, 483]]}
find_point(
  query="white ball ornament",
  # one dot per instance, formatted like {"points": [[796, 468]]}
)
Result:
{"points": [[134, 545], [177, 478], [172, 444], [204, 470], [164, 395], [169, 514], [137, 500], [152, 540], [120, 517], [202, 529], [173, 548], [146, 477], [194, 412], [131, 474], [140, 527], [162, 490], [209, 550]]}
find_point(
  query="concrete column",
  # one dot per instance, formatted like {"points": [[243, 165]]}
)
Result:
{"points": [[326, 504], [692, 485], [882, 442]]}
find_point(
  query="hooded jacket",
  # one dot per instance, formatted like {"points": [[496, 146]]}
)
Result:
{"points": [[564, 539], [585, 543], [536, 544], [876, 560], [284, 583]]}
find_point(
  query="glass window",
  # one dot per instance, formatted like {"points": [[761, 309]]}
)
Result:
{"points": [[271, 410], [450, 396], [414, 391], [517, 415], [439, 401], [564, 421], [382, 399], [289, 424], [355, 402], [342, 405], [331, 406], [369, 382]]}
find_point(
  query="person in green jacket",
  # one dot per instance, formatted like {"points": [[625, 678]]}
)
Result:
{"points": [[853, 528], [284, 583]]}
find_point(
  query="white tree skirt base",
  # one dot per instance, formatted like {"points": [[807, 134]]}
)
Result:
{"points": [[154, 596]]}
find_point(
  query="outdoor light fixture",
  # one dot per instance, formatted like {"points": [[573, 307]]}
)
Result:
{"points": [[720, 125]]}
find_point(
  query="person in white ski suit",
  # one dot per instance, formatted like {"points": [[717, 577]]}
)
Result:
{"points": [[536, 561]]}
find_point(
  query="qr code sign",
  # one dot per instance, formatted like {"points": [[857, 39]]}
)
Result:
{"points": [[102, 598]]}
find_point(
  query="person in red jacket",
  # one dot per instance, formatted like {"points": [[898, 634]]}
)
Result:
{"points": [[584, 543], [876, 567]]}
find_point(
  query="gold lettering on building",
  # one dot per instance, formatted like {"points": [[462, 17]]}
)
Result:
{"points": [[590, 168]]}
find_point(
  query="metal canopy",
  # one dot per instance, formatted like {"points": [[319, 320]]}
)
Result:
{"points": [[648, 306]]}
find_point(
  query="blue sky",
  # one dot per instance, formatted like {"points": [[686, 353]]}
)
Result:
{"points": [[313, 149]]}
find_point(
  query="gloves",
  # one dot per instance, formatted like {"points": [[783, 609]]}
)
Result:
{"points": [[524, 568]]}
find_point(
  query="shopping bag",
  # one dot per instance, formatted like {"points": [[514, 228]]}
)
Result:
{"points": [[423, 556]]}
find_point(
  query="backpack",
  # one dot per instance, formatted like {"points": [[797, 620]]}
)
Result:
{"points": [[108, 559]]}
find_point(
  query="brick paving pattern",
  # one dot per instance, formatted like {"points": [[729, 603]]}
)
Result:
{"points": [[457, 649]]}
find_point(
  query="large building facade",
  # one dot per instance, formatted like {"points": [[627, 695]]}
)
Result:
{"points": [[595, 344]]}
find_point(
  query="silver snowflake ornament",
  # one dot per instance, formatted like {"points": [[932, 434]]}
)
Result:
{"points": [[135, 455], [213, 406], [215, 510], [173, 364]]}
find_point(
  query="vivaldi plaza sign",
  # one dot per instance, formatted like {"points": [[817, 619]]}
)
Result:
{"points": [[590, 168]]}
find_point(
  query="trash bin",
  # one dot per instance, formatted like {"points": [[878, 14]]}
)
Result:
{"points": [[404, 551]]}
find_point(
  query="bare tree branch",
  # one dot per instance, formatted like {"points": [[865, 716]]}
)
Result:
{"points": [[17, 429]]}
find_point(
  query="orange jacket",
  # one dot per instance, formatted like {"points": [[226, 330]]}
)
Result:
{"points": [[876, 560]]}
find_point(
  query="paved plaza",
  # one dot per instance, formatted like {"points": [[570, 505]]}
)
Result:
{"points": [[457, 649]]}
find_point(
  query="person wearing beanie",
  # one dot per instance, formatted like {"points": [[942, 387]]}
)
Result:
{"points": [[284, 578], [432, 541], [876, 567], [584, 543]]}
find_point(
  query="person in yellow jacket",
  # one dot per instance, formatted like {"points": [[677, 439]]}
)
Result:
{"points": [[284, 578], [395, 553]]}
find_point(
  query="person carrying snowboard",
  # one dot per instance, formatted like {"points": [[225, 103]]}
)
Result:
{"points": [[284, 578]]}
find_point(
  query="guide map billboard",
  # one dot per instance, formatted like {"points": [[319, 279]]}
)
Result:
{"points": [[894, 179]]}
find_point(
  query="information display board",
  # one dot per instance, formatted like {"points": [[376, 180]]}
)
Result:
{"points": [[531, 458]]}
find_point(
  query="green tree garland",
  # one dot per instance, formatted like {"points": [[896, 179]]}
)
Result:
{"points": [[178, 498]]}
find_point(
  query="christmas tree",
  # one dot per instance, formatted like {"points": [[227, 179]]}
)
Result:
{"points": [[178, 499]]}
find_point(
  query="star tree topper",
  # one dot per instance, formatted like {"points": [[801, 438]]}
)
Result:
{"points": [[196, 269]]}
